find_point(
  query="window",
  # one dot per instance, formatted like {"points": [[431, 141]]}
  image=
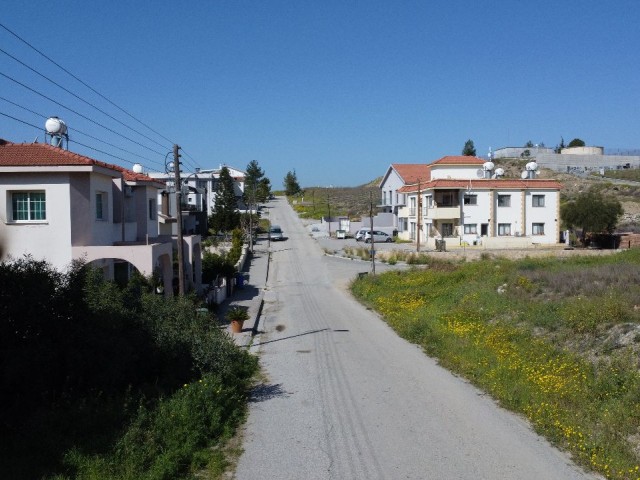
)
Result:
{"points": [[504, 200], [537, 200], [153, 210], [28, 206], [384, 198], [537, 229], [447, 198], [504, 229], [471, 228], [470, 199], [101, 206]]}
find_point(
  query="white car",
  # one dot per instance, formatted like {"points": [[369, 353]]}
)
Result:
{"points": [[360, 234], [378, 237]]}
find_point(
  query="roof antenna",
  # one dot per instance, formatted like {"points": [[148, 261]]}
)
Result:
{"points": [[35, 140]]}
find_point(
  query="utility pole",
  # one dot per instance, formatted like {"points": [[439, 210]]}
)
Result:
{"points": [[373, 243], [329, 207], [176, 171], [419, 214]]}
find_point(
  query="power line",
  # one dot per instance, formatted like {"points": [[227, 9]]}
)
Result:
{"points": [[78, 113], [85, 101], [81, 144], [83, 133], [83, 83], [21, 121], [192, 164], [80, 98]]}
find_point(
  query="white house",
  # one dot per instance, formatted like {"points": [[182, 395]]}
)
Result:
{"points": [[60, 206], [199, 196], [397, 176], [464, 201]]}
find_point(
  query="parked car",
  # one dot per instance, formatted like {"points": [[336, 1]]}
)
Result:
{"points": [[275, 233], [378, 237], [360, 234]]}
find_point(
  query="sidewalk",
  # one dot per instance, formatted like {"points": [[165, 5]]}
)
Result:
{"points": [[251, 295]]}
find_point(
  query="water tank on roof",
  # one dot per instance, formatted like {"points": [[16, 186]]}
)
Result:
{"points": [[55, 126], [57, 130], [137, 168]]}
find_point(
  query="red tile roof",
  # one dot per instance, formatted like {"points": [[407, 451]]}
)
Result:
{"points": [[458, 160], [412, 172], [485, 184], [43, 155]]}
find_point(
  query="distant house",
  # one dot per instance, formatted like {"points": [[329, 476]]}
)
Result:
{"points": [[459, 199], [397, 176], [60, 206], [199, 197]]}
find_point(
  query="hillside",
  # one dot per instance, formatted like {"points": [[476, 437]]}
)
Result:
{"points": [[356, 201]]}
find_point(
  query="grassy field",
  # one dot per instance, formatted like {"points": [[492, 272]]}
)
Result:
{"points": [[556, 340]]}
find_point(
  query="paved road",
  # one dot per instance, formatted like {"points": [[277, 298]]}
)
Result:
{"points": [[345, 398]]}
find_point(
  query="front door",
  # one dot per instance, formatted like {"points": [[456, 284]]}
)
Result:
{"points": [[447, 229], [484, 229]]}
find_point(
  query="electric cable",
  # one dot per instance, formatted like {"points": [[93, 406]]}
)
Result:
{"points": [[78, 113], [72, 141], [84, 83], [83, 133], [80, 98]]}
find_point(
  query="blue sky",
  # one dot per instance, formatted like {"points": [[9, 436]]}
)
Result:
{"points": [[336, 90]]}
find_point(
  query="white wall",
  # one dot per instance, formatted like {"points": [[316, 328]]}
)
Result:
{"points": [[453, 171], [49, 239]]}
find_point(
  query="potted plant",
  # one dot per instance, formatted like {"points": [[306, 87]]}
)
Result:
{"points": [[236, 317]]}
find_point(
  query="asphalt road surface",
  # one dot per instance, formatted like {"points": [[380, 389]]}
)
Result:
{"points": [[345, 398]]}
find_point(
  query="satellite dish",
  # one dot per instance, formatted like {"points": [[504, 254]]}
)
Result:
{"points": [[480, 173], [524, 175], [499, 172], [137, 168], [488, 165]]}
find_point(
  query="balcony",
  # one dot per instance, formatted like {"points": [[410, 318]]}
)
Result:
{"points": [[444, 213]]}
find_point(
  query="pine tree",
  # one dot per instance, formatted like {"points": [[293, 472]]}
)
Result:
{"points": [[469, 149], [291, 185], [224, 214]]}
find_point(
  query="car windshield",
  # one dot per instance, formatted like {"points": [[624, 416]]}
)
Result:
{"points": [[276, 230]]}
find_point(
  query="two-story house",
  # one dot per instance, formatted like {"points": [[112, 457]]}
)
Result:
{"points": [[468, 201], [397, 176], [60, 206]]}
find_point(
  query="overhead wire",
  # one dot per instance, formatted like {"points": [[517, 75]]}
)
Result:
{"points": [[73, 141], [81, 132], [85, 101], [78, 113], [83, 83], [80, 98]]}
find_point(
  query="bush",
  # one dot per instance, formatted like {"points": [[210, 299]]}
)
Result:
{"points": [[82, 355]]}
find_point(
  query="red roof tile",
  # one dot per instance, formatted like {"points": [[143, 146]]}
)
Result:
{"points": [[458, 160], [43, 155], [485, 184], [412, 172]]}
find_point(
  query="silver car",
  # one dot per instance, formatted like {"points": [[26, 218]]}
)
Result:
{"points": [[378, 237], [360, 234], [275, 233]]}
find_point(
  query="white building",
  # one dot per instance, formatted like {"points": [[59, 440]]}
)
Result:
{"points": [[463, 201], [199, 195], [60, 206], [399, 175]]}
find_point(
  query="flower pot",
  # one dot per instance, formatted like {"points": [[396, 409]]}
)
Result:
{"points": [[236, 326]]}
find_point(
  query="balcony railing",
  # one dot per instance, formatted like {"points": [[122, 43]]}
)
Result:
{"points": [[443, 213]]}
